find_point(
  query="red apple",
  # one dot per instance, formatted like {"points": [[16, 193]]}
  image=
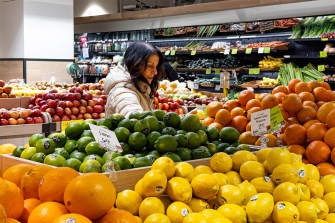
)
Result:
{"points": [[38, 120], [100, 101], [98, 108], [86, 96], [155, 106], [62, 104], [20, 121], [77, 96], [156, 94], [87, 116], [36, 107], [3, 121], [51, 111], [170, 100], [69, 104], [65, 118], [80, 116], [73, 117], [104, 97], [175, 110], [36, 113], [161, 106], [79, 90], [171, 105], [14, 114], [44, 108], [72, 89], [69, 97], [47, 96], [176, 105], [54, 90], [42, 102], [59, 96], [89, 109], [92, 87], [12, 121], [32, 100], [59, 111], [82, 110], [55, 118], [95, 115], [76, 103], [83, 102], [29, 111], [30, 120], [91, 103], [75, 110], [23, 113], [39, 95], [67, 111], [30, 106]]}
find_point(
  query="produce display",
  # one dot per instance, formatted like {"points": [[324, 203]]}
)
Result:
{"points": [[6, 90], [270, 62], [168, 104], [18, 116]]}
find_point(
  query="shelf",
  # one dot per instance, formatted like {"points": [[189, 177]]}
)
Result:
{"points": [[312, 39], [307, 57], [95, 75], [221, 69], [90, 63]]}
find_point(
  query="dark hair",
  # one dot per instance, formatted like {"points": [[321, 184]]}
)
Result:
{"points": [[135, 61]]}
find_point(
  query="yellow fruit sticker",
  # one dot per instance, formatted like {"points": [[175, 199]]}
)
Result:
{"points": [[66, 123]]}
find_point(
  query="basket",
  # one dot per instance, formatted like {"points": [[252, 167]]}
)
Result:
{"points": [[179, 31], [266, 26], [286, 23], [191, 29]]}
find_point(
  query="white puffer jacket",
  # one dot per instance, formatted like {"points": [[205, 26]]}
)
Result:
{"points": [[123, 97]]}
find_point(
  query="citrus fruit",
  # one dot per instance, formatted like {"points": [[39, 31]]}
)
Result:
{"points": [[110, 167], [153, 122], [142, 162], [260, 207], [263, 184], [70, 145], [329, 198], [87, 133], [62, 152], [194, 140], [200, 169], [212, 134], [184, 153], [94, 157], [308, 211], [142, 126], [74, 130], [221, 178], [105, 122], [137, 141], [45, 145], [83, 142], [204, 186], [172, 156], [47, 212], [128, 124], [285, 173], [129, 200], [154, 183], [182, 140], [171, 119], [38, 157], [35, 138], [15, 173], [54, 160], [230, 194], [29, 205], [151, 138], [73, 163], [159, 114], [157, 218], [94, 148], [58, 138], [248, 191], [78, 155], [229, 134], [86, 123], [240, 157], [73, 217], [203, 136], [328, 183], [123, 162], [122, 134], [184, 170], [151, 205], [169, 131], [316, 188], [276, 157], [304, 192], [198, 205], [285, 212], [28, 153], [135, 115], [221, 162], [179, 189], [262, 154], [252, 169], [212, 148], [117, 215], [233, 212], [286, 191], [166, 165], [177, 211], [17, 151], [190, 123], [166, 143], [322, 206]]}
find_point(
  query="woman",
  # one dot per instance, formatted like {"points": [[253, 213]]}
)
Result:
{"points": [[131, 86]]}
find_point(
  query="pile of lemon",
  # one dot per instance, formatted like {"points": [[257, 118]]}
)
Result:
{"points": [[271, 185]]}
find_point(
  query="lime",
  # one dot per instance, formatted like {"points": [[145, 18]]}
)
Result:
{"points": [[70, 145], [83, 142], [58, 138], [128, 124], [142, 162], [142, 126], [73, 163], [159, 114], [145, 114], [212, 134], [122, 134], [109, 155], [38, 157], [152, 158], [216, 142], [151, 138], [74, 130], [28, 153], [130, 157], [169, 131], [236, 143], [172, 156], [203, 136], [229, 134], [54, 160], [244, 147], [85, 163], [184, 153], [190, 123], [125, 148], [94, 157], [230, 150], [45, 145], [200, 153], [171, 119], [78, 155], [87, 132], [203, 127], [105, 122], [153, 122], [222, 146], [135, 115], [141, 153], [18, 150], [116, 118], [154, 153], [123, 162], [86, 122], [35, 138], [194, 140], [212, 148], [92, 168], [183, 132], [106, 167], [166, 143], [161, 125], [137, 141], [63, 152], [94, 148], [182, 140]]}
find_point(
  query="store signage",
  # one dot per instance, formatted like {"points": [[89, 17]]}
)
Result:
{"points": [[234, 51], [321, 68], [227, 51], [248, 50], [193, 52], [167, 53], [267, 49], [324, 39], [208, 71], [106, 138], [254, 71], [261, 50], [266, 121], [173, 52], [64, 124], [217, 71], [323, 54]]}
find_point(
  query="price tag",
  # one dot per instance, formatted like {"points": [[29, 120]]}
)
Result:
{"points": [[261, 50], [193, 52], [196, 86], [167, 52], [227, 51], [234, 51], [250, 89], [173, 52], [248, 51], [321, 68], [287, 56], [260, 122], [324, 39], [217, 71], [217, 87], [106, 138], [85, 53], [267, 50], [208, 71], [254, 71], [323, 54], [66, 123], [276, 119]]}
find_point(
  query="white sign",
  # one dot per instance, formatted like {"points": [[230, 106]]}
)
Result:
{"points": [[261, 50], [226, 51], [250, 89], [260, 122], [106, 138], [85, 53]]}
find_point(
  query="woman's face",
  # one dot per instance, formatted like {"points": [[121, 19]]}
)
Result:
{"points": [[151, 68]]}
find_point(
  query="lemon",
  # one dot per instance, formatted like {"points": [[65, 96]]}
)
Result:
{"points": [[151, 205], [202, 169], [221, 178], [129, 200], [330, 217], [285, 173], [177, 211], [219, 220], [262, 154], [221, 162], [259, 207], [329, 198], [295, 157], [320, 221], [195, 218], [198, 205], [233, 177], [286, 191], [302, 171], [308, 211], [157, 218], [240, 157], [179, 189], [276, 157], [154, 183], [138, 219], [205, 186], [214, 203], [233, 212], [263, 184], [165, 200], [185, 170], [312, 172], [211, 214], [328, 183], [166, 165], [285, 212], [230, 194], [138, 188], [252, 169], [323, 207], [248, 190], [305, 194], [316, 188]]}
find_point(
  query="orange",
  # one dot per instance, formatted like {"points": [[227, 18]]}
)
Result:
{"points": [[271, 143], [281, 89], [279, 96], [31, 180], [76, 218], [321, 94], [314, 84], [223, 117], [306, 113], [212, 108], [261, 96], [302, 87], [310, 104], [326, 169], [253, 103], [47, 212], [316, 131], [330, 120], [11, 199], [283, 112], [207, 121], [319, 103], [291, 85], [91, 195], [332, 156], [310, 122], [239, 123], [329, 138], [248, 127], [293, 120], [247, 138], [269, 101], [230, 104], [297, 149], [238, 111], [292, 103], [245, 96], [318, 152], [118, 216], [54, 182], [324, 111], [216, 125], [29, 205], [11, 220], [325, 85], [3, 215], [15, 173], [295, 134], [306, 96]]}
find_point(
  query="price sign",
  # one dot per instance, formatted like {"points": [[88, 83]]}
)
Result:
{"points": [[167, 52], [261, 50], [208, 71], [324, 39], [106, 138], [323, 54], [173, 52], [254, 71], [260, 122], [217, 87], [321, 68], [66, 123], [250, 89], [193, 52], [217, 71], [196, 86], [267, 50], [227, 51], [234, 51], [276, 119], [85, 53], [248, 51]]}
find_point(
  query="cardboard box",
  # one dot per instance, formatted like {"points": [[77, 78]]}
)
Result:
{"points": [[25, 101], [10, 103]]}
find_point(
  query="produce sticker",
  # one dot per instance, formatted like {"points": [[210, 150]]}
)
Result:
{"points": [[106, 138], [66, 123]]}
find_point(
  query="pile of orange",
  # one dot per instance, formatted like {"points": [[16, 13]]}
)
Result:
{"points": [[42, 194], [308, 109]]}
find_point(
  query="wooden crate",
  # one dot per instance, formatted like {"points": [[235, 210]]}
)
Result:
{"points": [[123, 179]]}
